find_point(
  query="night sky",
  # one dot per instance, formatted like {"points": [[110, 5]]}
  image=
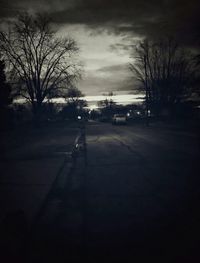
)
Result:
{"points": [[107, 30]]}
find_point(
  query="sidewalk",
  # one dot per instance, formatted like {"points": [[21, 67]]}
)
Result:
{"points": [[28, 171]]}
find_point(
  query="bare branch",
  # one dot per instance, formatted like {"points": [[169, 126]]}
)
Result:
{"points": [[40, 59]]}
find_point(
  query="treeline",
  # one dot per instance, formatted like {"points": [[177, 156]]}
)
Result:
{"points": [[166, 72]]}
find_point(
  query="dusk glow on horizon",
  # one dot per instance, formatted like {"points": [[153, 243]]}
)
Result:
{"points": [[92, 101]]}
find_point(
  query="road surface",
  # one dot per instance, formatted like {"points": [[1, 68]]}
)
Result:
{"points": [[136, 199]]}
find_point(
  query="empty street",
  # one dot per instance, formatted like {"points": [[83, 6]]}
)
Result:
{"points": [[136, 197]]}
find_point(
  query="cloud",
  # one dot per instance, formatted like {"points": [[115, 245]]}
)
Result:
{"points": [[115, 69], [146, 18], [107, 31], [108, 78]]}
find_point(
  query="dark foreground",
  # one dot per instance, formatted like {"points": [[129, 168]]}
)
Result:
{"points": [[135, 198]]}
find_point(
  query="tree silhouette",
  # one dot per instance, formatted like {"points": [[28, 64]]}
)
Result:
{"points": [[107, 106], [75, 104], [73, 94], [43, 63], [165, 71]]}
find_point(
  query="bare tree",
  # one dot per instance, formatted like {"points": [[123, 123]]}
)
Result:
{"points": [[75, 104], [165, 71], [43, 63], [73, 94], [107, 105], [75, 97]]}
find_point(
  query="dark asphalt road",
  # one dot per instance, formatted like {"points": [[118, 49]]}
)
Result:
{"points": [[136, 200]]}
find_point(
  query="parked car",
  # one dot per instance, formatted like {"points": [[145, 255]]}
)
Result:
{"points": [[119, 119]]}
